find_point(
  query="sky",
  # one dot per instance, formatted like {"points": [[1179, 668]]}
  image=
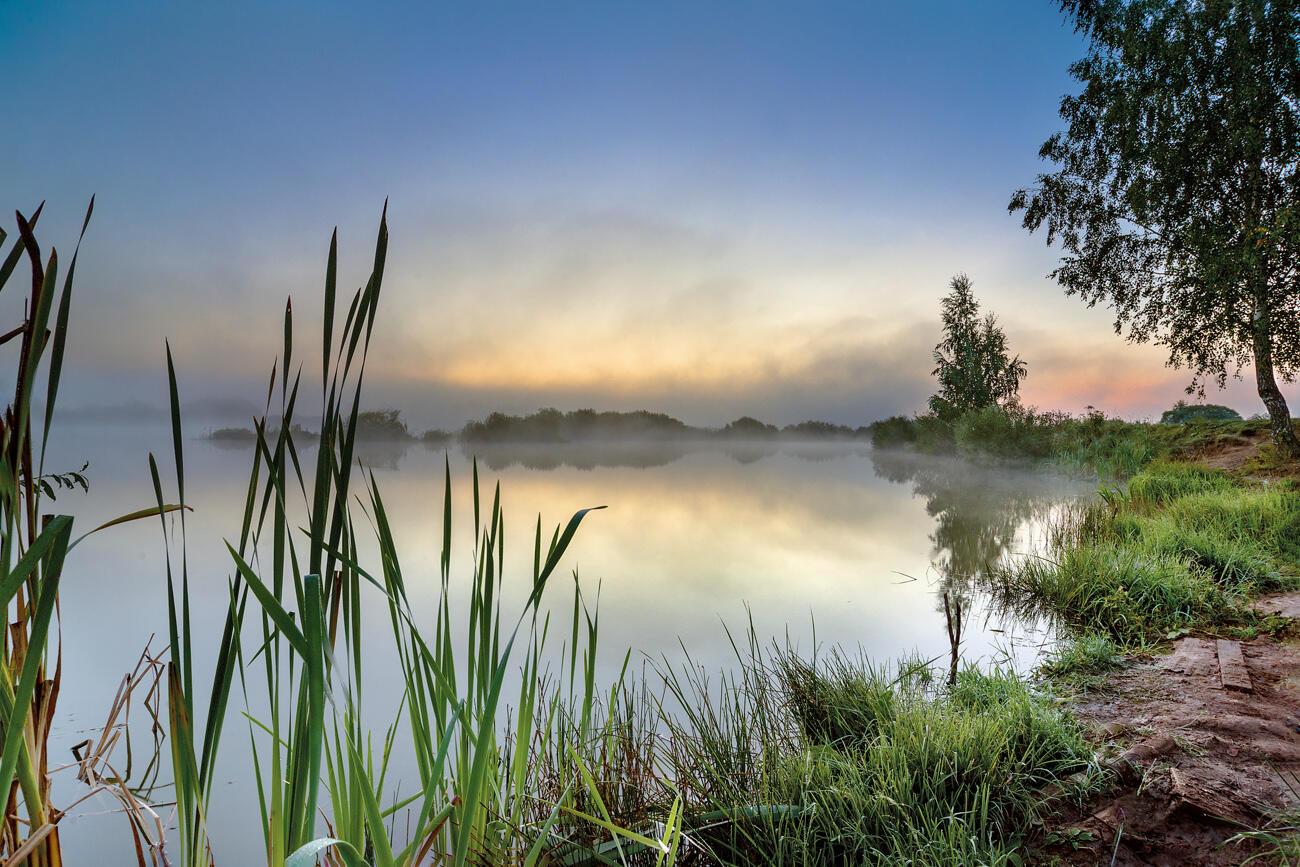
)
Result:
{"points": [[710, 209]]}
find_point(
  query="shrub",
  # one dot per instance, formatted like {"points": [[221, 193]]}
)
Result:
{"points": [[1184, 412], [819, 430], [747, 427], [382, 424], [1091, 443], [1011, 432], [897, 430], [934, 435]]}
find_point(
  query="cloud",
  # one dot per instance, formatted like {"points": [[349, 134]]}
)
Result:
{"points": [[516, 306]]}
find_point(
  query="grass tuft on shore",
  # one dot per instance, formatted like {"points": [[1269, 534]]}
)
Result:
{"points": [[1084, 658], [869, 765], [1183, 547]]}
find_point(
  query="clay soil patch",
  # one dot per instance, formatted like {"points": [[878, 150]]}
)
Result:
{"points": [[1201, 747]]}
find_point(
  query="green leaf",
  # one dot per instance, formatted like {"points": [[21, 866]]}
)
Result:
{"points": [[307, 854]]}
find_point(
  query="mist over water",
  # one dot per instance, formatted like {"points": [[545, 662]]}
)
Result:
{"points": [[821, 544]]}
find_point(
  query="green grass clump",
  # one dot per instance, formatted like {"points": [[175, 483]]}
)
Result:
{"points": [[1270, 515], [1184, 547], [1084, 658], [1088, 654], [841, 707], [1165, 481], [933, 776], [1131, 593], [1236, 561]]}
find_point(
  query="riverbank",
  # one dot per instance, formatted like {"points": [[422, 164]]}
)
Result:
{"points": [[1088, 444], [1179, 593]]}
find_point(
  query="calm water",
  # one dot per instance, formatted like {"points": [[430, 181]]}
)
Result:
{"points": [[825, 544]]}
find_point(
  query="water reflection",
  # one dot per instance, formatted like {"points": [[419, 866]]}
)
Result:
{"points": [[805, 540], [647, 454], [982, 514], [585, 455]]}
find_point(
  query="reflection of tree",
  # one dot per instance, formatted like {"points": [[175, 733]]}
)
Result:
{"points": [[584, 455], [749, 452], [643, 454], [581, 456], [977, 512], [378, 454]]}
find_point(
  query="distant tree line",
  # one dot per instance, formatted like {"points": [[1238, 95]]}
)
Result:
{"points": [[555, 426], [552, 425]]}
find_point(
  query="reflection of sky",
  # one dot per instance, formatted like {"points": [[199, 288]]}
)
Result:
{"points": [[682, 548], [710, 209]]}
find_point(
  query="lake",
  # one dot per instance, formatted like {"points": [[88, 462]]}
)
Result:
{"points": [[819, 544]]}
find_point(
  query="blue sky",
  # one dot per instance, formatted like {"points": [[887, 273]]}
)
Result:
{"points": [[707, 208]]}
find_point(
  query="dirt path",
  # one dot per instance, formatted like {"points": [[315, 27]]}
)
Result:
{"points": [[1204, 741]]}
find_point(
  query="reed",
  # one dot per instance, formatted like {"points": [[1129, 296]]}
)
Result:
{"points": [[35, 547], [301, 675]]}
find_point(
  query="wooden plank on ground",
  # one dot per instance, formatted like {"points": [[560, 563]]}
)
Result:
{"points": [[1233, 673], [1202, 798]]}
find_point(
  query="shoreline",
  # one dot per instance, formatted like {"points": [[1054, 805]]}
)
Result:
{"points": [[1197, 726]]}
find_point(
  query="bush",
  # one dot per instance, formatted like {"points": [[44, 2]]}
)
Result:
{"points": [[1011, 432], [1091, 443], [819, 430], [934, 435], [747, 427], [1184, 412], [897, 430], [382, 424]]}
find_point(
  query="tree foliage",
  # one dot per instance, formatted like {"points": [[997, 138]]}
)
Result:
{"points": [[1175, 198], [974, 368], [1183, 412]]}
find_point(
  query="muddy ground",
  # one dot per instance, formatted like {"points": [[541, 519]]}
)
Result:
{"points": [[1203, 742]]}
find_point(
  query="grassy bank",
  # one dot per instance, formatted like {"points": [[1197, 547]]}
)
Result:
{"points": [[1091, 443], [1181, 547], [844, 762]]}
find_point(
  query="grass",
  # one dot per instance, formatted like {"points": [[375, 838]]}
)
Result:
{"points": [[1183, 547], [840, 761], [1279, 840], [1088, 444], [1086, 656]]}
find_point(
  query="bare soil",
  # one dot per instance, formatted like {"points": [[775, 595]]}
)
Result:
{"points": [[1232, 453], [1204, 742]]}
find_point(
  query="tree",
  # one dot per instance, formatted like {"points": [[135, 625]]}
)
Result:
{"points": [[1184, 412], [972, 362], [1177, 194]]}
